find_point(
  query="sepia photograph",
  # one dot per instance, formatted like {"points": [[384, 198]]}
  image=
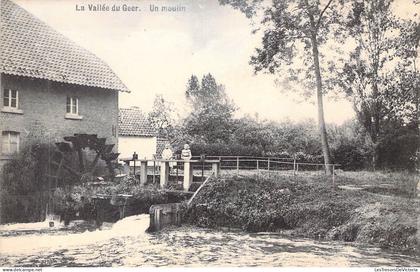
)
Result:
{"points": [[210, 134]]}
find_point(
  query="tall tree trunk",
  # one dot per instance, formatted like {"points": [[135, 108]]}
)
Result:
{"points": [[321, 119], [417, 115], [374, 139]]}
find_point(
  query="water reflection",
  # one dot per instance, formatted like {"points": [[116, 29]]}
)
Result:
{"points": [[125, 243]]}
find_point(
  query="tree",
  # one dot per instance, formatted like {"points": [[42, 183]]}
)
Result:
{"points": [[161, 117], [348, 145], [408, 49], [380, 74], [210, 120], [290, 26], [252, 132]]}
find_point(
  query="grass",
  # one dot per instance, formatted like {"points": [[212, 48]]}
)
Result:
{"points": [[308, 206], [392, 183]]}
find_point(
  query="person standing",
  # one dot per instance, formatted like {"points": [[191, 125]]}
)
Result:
{"points": [[167, 153], [186, 153]]}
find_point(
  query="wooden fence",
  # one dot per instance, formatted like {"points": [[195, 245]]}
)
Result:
{"points": [[227, 166], [250, 164]]}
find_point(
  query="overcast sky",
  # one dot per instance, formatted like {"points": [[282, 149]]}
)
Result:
{"points": [[156, 52]]}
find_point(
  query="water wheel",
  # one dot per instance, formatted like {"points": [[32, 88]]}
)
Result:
{"points": [[70, 157]]}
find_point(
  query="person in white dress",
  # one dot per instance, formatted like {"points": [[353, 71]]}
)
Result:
{"points": [[167, 153], [186, 153]]}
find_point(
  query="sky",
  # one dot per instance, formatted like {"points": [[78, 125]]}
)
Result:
{"points": [[156, 52]]}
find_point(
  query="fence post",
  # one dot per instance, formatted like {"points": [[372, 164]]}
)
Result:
{"points": [[143, 172], [164, 174], [177, 165], [258, 167], [333, 174], [188, 175], [237, 165], [215, 166], [297, 167], [154, 170], [294, 165]]}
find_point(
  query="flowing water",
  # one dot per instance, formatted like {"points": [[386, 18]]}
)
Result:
{"points": [[126, 243]]}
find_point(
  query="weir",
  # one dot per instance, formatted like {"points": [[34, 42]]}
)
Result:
{"points": [[164, 166], [114, 207], [162, 215]]}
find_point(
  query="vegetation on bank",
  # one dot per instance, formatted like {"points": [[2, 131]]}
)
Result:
{"points": [[308, 207], [25, 190], [23, 185], [25, 197], [82, 197]]}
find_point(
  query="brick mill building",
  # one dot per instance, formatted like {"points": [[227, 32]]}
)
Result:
{"points": [[50, 87]]}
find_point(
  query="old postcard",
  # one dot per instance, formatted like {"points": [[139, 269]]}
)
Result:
{"points": [[209, 134]]}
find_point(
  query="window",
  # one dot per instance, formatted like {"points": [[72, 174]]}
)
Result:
{"points": [[10, 98], [72, 106], [10, 142]]}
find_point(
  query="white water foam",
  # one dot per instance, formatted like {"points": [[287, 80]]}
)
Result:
{"points": [[129, 226], [44, 225]]}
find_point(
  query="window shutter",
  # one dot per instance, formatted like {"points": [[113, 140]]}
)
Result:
{"points": [[68, 105]]}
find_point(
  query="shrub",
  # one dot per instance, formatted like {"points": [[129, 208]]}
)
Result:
{"points": [[350, 156], [307, 207], [22, 184], [218, 149], [398, 152], [25, 172]]}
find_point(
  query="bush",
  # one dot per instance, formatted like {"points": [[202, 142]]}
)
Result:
{"points": [[398, 152], [23, 183], [308, 208], [350, 156], [25, 172], [218, 149]]}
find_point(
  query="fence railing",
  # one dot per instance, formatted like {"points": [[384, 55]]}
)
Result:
{"points": [[226, 166], [243, 165], [269, 164]]}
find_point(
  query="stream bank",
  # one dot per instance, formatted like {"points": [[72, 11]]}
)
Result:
{"points": [[307, 207]]}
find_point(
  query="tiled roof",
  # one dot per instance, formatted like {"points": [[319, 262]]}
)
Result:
{"points": [[29, 47], [161, 142], [132, 122]]}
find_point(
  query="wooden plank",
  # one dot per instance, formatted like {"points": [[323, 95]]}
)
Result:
{"points": [[75, 173], [91, 168], [199, 189], [81, 160]]}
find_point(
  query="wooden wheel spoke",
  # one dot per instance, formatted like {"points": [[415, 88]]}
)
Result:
{"points": [[75, 145]]}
